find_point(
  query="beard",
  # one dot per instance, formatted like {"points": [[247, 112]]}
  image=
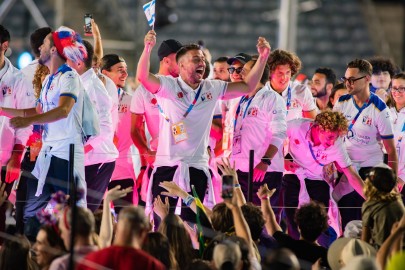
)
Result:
{"points": [[321, 93]]}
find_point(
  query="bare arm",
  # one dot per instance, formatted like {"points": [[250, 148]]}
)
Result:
{"points": [[309, 114], [138, 136], [147, 79], [11, 112], [237, 89], [354, 179], [98, 46], [392, 154], [62, 111], [271, 223], [227, 169]]}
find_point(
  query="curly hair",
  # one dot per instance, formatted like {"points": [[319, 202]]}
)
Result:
{"points": [[332, 121], [381, 64], [281, 57], [39, 76], [312, 220]]}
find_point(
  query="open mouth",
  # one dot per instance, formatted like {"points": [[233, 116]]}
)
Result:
{"points": [[200, 71]]}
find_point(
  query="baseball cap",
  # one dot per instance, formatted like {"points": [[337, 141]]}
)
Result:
{"points": [[168, 47], [241, 57], [110, 60], [344, 249], [382, 177]]}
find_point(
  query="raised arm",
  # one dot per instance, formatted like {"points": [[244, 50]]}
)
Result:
{"points": [[237, 89], [147, 79], [271, 223], [354, 179], [98, 46]]}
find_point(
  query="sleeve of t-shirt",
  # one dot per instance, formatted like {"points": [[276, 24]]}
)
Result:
{"points": [[217, 111], [137, 102], [337, 107], [384, 124], [167, 87], [70, 85], [308, 103], [342, 158], [219, 86]]}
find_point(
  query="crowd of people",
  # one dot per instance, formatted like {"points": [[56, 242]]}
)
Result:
{"points": [[163, 171]]}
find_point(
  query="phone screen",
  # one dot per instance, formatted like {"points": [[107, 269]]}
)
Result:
{"points": [[87, 23], [227, 186]]}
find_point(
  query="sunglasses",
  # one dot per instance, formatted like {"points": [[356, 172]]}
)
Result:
{"points": [[238, 70]]}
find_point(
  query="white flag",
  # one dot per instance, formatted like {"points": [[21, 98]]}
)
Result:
{"points": [[149, 9]]}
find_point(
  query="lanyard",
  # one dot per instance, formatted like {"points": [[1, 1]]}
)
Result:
{"points": [[242, 100], [61, 69], [365, 105], [194, 101], [163, 114], [288, 98], [313, 155]]}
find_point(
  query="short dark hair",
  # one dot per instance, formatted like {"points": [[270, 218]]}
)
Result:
{"points": [[110, 60], [281, 57], [37, 39], [185, 49], [333, 92], [90, 53], [329, 74], [207, 69], [4, 34], [381, 64], [222, 220], [85, 223], [312, 220], [363, 65], [221, 59], [399, 76]]}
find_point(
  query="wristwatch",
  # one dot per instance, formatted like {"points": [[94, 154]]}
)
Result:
{"points": [[266, 160]]}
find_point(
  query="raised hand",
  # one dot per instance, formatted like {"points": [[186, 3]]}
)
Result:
{"points": [[263, 47]]}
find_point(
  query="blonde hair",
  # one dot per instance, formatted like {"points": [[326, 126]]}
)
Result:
{"points": [[40, 73], [332, 121], [374, 194]]}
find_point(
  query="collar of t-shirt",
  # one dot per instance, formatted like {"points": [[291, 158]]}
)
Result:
{"points": [[86, 75], [186, 89]]}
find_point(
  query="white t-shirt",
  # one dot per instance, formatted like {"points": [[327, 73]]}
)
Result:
{"points": [[104, 149], [175, 96], [16, 92], [373, 124], [264, 124], [145, 103], [398, 119], [29, 70], [301, 100], [124, 168], [298, 132], [228, 108], [113, 93]]}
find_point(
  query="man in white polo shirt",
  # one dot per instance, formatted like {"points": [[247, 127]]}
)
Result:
{"points": [[369, 123], [259, 125], [314, 145], [298, 97], [189, 103], [99, 151], [145, 110], [15, 92]]}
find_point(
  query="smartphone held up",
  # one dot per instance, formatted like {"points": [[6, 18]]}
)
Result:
{"points": [[227, 186], [88, 31]]}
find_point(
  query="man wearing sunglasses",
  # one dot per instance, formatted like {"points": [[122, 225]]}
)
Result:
{"points": [[369, 124]]}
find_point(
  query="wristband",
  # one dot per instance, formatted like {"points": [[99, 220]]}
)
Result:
{"points": [[188, 200], [265, 197], [236, 186], [143, 167]]}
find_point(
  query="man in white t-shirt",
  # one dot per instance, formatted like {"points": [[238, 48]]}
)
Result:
{"points": [[298, 98], [16, 92], [322, 84], [145, 110], [100, 152], [189, 103], [369, 123], [115, 67], [259, 125], [59, 110], [315, 146]]}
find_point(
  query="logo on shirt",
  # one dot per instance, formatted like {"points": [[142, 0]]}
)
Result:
{"points": [[206, 96], [367, 120], [122, 108], [294, 104], [296, 141], [321, 155], [6, 90], [180, 95], [253, 111]]}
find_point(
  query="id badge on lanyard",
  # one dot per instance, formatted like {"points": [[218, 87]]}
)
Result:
{"points": [[179, 132], [237, 144]]}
